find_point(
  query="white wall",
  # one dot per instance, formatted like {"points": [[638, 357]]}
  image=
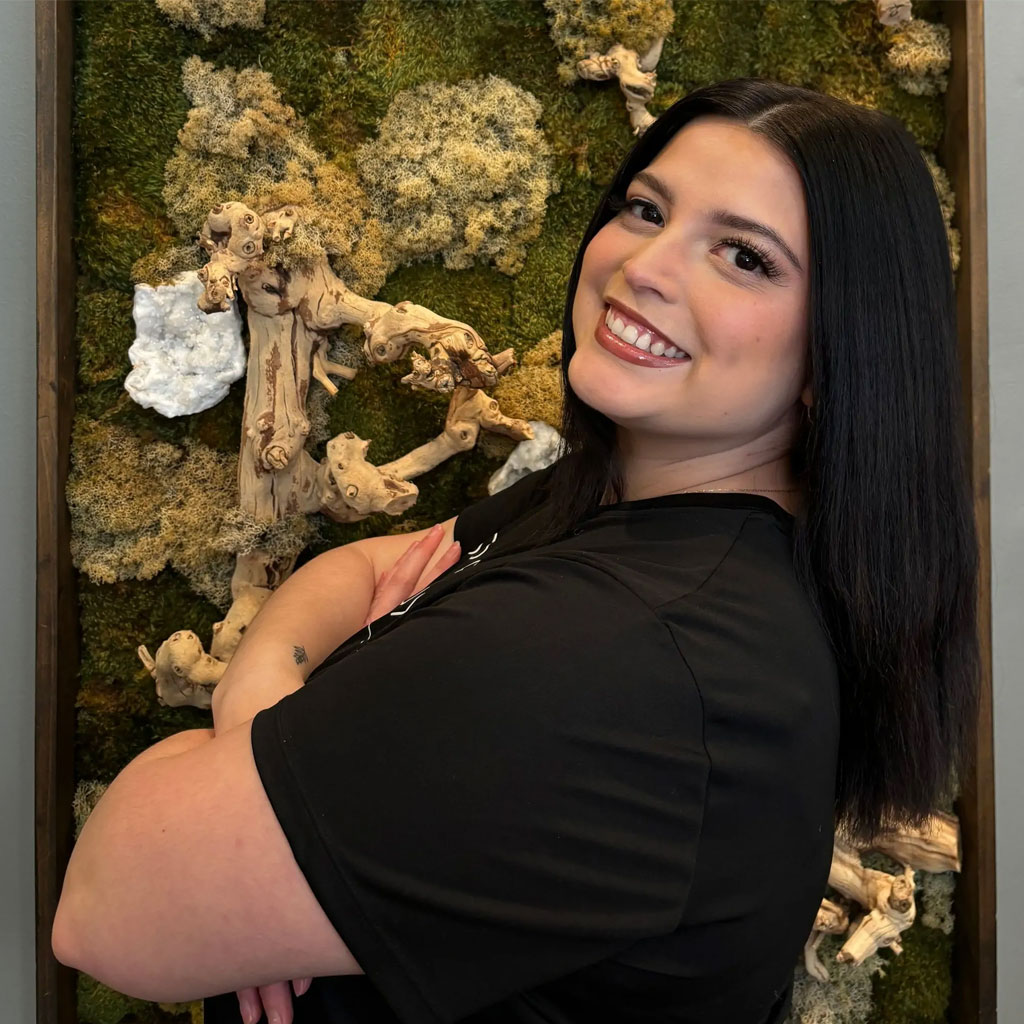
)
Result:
{"points": [[1004, 102], [17, 511], [1004, 51]]}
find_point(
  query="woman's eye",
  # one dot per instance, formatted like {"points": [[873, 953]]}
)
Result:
{"points": [[753, 259], [748, 260], [644, 206]]}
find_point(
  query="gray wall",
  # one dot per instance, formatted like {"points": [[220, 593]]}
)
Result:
{"points": [[1004, 102], [1004, 46], [17, 511]]}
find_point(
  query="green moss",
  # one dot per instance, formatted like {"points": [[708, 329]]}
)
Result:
{"points": [[480, 296], [797, 42], [220, 427], [118, 713], [128, 99], [313, 68], [115, 229], [98, 1004], [918, 982], [110, 403], [710, 41], [104, 331], [539, 292], [405, 43]]}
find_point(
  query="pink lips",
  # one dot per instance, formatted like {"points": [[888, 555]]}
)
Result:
{"points": [[630, 353]]}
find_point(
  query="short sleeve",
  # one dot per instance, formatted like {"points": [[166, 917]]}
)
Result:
{"points": [[503, 789]]}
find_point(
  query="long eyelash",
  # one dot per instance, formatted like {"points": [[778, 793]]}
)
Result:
{"points": [[771, 268]]}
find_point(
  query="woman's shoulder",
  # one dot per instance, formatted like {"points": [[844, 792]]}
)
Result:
{"points": [[478, 523]]}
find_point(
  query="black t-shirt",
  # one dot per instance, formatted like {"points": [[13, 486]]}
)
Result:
{"points": [[587, 781]]}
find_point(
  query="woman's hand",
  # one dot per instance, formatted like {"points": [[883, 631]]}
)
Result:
{"points": [[407, 576], [276, 999]]}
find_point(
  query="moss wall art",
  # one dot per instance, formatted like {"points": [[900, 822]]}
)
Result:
{"points": [[452, 155]]}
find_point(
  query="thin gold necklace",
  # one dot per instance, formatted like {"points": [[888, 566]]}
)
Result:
{"points": [[754, 490]]}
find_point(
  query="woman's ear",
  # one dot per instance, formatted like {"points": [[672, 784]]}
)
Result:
{"points": [[806, 397]]}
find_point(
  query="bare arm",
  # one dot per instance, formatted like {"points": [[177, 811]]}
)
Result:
{"points": [[314, 611]]}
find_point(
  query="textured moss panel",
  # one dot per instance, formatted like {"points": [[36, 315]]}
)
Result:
{"points": [[710, 40], [340, 63], [104, 331], [918, 982]]}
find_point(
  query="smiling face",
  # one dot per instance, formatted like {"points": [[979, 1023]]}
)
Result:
{"points": [[703, 286]]}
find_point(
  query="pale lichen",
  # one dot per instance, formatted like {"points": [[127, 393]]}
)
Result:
{"points": [[919, 54], [207, 16], [137, 507], [935, 893], [461, 170], [241, 142], [947, 204], [533, 391], [844, 999]]}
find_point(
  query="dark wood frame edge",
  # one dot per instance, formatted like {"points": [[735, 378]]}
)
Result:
{"points": [[963, 154], [974, 966], [56, 606]]}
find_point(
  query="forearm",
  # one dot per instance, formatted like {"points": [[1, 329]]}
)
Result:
{"points": [[314, 611]]}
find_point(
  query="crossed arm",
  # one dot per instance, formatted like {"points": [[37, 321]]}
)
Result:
{"points": [[182, 884]]}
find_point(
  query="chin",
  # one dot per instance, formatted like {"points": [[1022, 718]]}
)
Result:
{"points": [[594, 386]]}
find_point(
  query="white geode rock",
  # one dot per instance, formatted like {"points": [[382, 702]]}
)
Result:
{"points": [[184, 359], [542, 451]]}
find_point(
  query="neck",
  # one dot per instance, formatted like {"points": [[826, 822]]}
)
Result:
{"points": [[652, 467]]}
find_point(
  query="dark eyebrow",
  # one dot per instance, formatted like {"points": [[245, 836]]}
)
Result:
{"points": [[723, 217]]}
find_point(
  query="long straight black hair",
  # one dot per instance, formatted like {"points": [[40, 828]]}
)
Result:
{"points": [[886, 545]]}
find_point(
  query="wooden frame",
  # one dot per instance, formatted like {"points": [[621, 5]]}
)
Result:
{"points": [[962, 154], [56, 606]]}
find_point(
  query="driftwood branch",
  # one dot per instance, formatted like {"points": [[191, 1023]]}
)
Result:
{"points": [[635, 74], [893, 12], [886, 901], [289, 315]]}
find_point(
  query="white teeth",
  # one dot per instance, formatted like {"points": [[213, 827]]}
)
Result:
{"points": [[631, 334]]}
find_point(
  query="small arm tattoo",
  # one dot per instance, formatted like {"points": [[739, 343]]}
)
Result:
{"points": [[299, 654]]}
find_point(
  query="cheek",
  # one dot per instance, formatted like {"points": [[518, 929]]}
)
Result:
{"points": [[752, 333], [599, 258]]}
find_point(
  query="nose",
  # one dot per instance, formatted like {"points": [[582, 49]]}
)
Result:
{"points": [[653, 267]]}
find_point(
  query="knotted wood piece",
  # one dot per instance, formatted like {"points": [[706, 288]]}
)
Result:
{"points": [[289, 314], [636, 76], [886, 901], [893, 12]]}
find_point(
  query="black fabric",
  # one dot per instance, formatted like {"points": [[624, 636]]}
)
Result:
{"points": [[588, 781]]}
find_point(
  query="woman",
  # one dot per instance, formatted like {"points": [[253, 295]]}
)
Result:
{"points": [[593, 769]]}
